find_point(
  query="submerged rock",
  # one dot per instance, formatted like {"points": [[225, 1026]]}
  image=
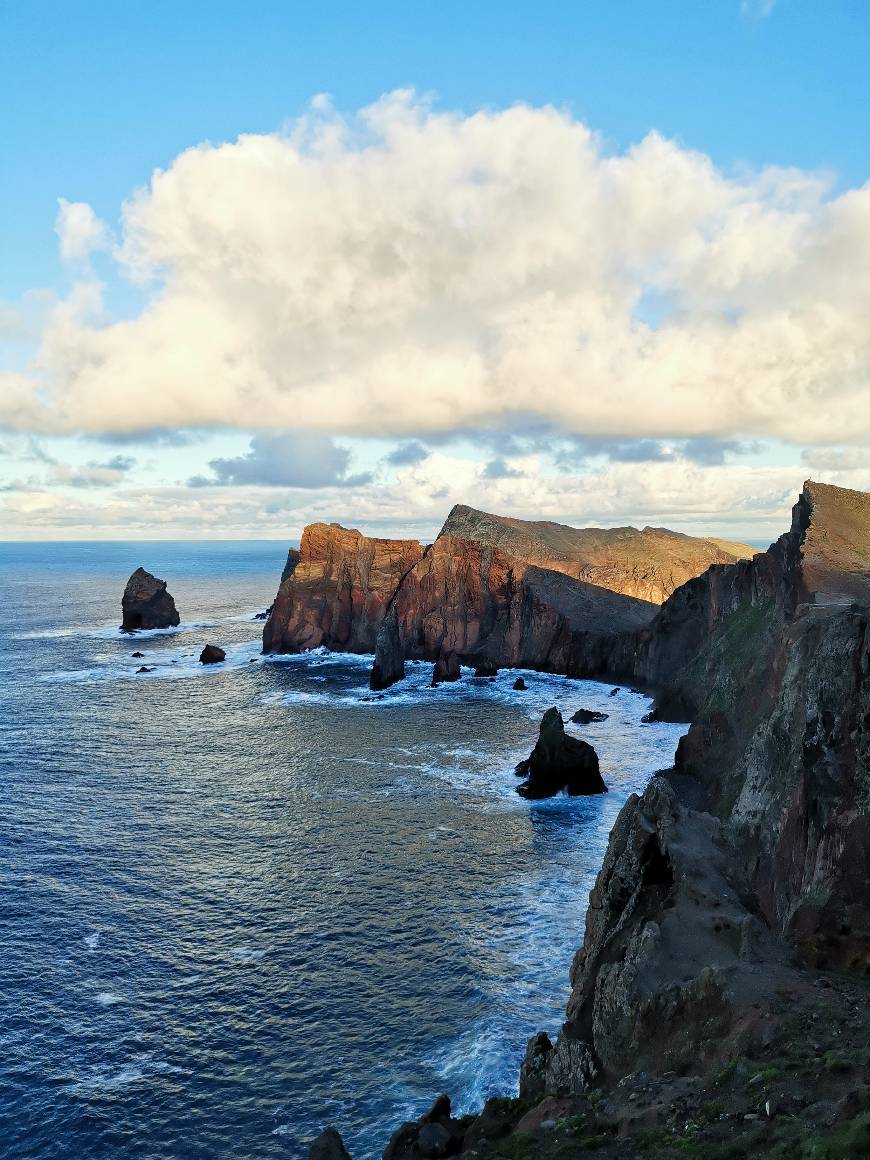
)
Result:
{"points": [[212, 655], [587, 716], [137, 655], [328, 1146], [389, 665], [144, 669], [147, 604], [558, 762], [446, 668]]}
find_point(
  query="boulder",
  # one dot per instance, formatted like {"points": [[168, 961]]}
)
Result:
{"points": [[614, 692], [587, 716], [446, 668], [137, 655], [485, 668], [389, 665], [559, 762], [212, 655], [434, 1135], [328, 1146], [520, 685], [147, 604], [144, 669]]}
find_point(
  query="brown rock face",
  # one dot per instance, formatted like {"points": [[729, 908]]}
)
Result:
{"points": [[337, 592], [758, 843], [147, 604], [647, 564], [494, 590]]}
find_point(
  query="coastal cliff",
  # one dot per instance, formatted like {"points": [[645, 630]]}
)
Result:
{"points": [[510, 592], [336, 590], [718, 1003]]}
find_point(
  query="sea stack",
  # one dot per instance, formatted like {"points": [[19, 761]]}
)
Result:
{"points": [[389, 665], [212, 654], [147, 604], [558, 762], [446, 668]]}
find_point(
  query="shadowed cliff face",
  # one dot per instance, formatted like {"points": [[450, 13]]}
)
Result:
{"points": [[147, 604], [757, 844], [541, 595], [734, 876]]}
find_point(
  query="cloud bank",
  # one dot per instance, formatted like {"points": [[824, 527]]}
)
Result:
{"points": [[410, 272]]}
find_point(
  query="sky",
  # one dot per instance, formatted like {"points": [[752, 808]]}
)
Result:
{"points": [[605, 263]]}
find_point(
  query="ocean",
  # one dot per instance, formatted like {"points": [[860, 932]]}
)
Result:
{"points": [[240, 903]]}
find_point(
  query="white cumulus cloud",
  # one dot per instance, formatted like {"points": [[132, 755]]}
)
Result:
{"points": [[410, 272], [79, 230]]}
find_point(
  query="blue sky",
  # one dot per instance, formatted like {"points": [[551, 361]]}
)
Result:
{"points": [[99, 94], [96, 96]]}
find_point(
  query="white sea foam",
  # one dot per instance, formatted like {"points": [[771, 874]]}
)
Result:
{"points": [[109, 999], [163, 664], [110, 1078], [249, 954], [92, 941]]}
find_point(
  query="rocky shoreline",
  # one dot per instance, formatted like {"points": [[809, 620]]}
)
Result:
{"points": [[718, 1004]]}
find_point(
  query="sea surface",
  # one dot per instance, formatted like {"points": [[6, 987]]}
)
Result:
{"points": [[240, 903]]}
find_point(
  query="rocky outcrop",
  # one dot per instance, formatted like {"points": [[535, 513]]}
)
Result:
{"points": [[328, 1146], [647, 564], [495, 591], [437, 1133], [588, 717], [559, 762], [212, 654], [446, 668], [147, 604], [734, 879], [389, 665], [337, 591], [756, 847]]}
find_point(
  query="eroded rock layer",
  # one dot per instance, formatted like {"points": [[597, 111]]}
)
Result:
{"points": [[730, 884], [492, 590], [336, 590]]}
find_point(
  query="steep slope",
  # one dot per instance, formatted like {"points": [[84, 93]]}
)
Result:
{"points": [[542, 595], [729, 883], [335, 592], [647, 564]]}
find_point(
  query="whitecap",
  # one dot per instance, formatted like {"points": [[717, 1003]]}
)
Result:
{"points": [[109, 999], [249, 954], [92, 941]]}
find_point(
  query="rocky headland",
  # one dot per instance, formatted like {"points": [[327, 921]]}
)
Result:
{"points": [[147, 604], [718, 1004], [493, 591]]}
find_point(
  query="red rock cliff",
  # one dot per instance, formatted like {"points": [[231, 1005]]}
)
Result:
{"points": [[469, 592], [338, 591]]}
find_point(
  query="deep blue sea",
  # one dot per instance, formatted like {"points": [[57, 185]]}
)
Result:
{"points": [[241, 903]]}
